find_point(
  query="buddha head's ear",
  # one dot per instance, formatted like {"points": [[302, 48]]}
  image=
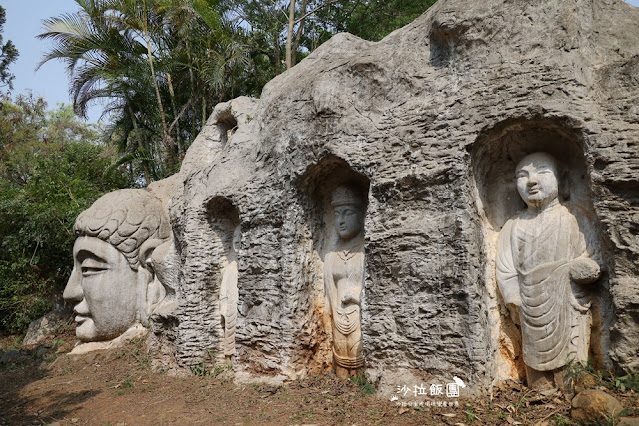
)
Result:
{"points": [[152, 291], [146, 251], [161, 291]]}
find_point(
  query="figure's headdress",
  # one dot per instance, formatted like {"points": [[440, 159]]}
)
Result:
{"points": [[346, 196]]}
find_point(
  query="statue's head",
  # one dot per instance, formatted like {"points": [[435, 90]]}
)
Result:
{"points": [[348, 206], [537, 179], [112, 275]]}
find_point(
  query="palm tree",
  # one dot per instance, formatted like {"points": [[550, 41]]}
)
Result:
{"points": [[156, 63]]}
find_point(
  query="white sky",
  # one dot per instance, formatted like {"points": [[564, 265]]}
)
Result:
{"points": [[24, 22]]}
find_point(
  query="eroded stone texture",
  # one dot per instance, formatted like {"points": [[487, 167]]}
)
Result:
{"points": [[435, 118]]}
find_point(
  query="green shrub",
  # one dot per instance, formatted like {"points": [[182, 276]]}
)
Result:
{"points": [[51, 169]]}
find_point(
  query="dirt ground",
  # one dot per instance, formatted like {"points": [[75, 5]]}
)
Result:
{"points": [[118, 387]]}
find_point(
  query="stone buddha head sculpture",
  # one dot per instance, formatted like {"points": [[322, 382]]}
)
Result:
{"points": [[348, 207], [538, 180], [112, 283]]}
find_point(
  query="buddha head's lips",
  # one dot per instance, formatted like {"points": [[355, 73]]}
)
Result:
{"points": [[82, 318]]}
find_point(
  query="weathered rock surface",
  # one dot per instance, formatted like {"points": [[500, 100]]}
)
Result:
{"points": [[628, 421], [433, 118], [594, 406], [11, 355], [40, 328]]}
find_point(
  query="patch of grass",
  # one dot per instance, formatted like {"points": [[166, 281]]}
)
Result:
{"points": [[128, 382], [304, 415], [211, 368], [16, 344], [560, 421], [470, 414], [201, 369], [624, 383], [365, 387], [144, 361], [56, 345], [125, 387], [576, 371]]}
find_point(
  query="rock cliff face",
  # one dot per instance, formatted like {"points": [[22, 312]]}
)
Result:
{"points": [[431, 121]]}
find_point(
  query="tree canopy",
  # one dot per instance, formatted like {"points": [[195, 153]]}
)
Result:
{"points": [[8, 54], [51, 168], [161, 65]]}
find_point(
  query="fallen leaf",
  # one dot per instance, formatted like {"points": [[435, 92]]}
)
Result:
{"points": [[403, 410], [449, 414], [549, 392]]}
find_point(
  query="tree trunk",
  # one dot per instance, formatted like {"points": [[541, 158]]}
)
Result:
{"points": [[289, 35], [298, 36], [168, 143], [178, 136]]}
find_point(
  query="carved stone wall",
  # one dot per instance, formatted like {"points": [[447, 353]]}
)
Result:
{"points": [[432, 117]]}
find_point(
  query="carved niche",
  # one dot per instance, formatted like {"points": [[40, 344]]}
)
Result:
{"points": [[335, 198], [543, 250], [225, 221]]}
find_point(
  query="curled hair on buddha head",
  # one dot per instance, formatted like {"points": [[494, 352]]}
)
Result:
{"points": [[126, 219]]}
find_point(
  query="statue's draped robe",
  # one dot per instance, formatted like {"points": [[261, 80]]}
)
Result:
{"points": [[344, 278], [534, 257], [229, 296]]}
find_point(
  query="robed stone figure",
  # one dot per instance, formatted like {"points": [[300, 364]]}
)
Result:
{"points": [[544, 261], [229, 296], [344, 279]]}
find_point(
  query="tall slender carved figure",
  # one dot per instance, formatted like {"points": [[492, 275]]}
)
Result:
{"points": [[229, 296], [544, 259], [344, 279]]}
